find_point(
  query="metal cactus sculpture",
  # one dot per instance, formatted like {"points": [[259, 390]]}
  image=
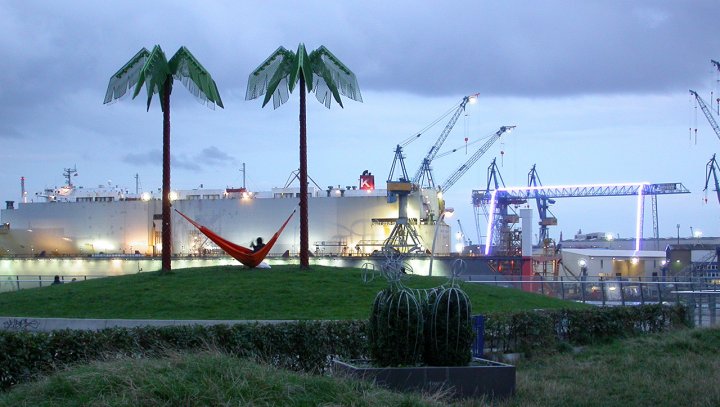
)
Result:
{"points": [[320, 72], [410, 326], [448, 324], [396, 321], [152, 69]]}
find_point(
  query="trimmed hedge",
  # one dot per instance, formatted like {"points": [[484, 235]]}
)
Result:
{"points": [[301, 346], [309, 346], [544, 331]]}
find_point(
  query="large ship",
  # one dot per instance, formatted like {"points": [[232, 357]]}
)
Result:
{"points": [[344, 220]]}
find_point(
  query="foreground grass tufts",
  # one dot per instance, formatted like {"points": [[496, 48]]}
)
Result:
{"points": [[200, 379], [680, 368]]}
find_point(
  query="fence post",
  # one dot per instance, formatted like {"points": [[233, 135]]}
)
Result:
{"points": [[562, 288], [622, 294], [659, 288], [478, 348], [602, 288], [712, 308], [40, 279], [17, 279], [642, 294]]}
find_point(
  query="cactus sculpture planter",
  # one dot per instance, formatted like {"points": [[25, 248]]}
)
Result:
{"points": [[421, 339], [402, 319]]}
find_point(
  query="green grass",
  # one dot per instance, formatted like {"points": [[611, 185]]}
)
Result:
{"points": [[205, 379], [231, 292], [681, 368]]}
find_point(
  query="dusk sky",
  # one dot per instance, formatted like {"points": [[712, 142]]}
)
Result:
{"points": [[598, 91]]}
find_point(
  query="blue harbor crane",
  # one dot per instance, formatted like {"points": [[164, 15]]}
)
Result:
{"points": [[423, 177], [707, 112], [711, 169], [460, 171], [543, 205]]}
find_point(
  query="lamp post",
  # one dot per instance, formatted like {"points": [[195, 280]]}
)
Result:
{"points": [[447, 212], [678, 233]]}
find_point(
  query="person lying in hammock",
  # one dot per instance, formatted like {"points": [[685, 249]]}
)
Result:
{"points": [[257, 245]]}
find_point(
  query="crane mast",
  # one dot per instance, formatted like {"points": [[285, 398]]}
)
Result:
{"points": [[707, 112], [712, 169], [424, 173], [469, 163]]}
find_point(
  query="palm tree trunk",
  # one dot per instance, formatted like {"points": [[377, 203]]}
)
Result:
{"points": [[304, 244], [166, 230]]}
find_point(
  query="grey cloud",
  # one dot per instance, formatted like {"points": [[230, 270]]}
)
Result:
{"points": [[210, 156]]}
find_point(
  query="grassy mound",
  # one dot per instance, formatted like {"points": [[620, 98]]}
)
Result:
{"points": [[231, 292]]}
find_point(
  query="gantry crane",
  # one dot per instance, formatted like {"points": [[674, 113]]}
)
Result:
{"points": [[450, 181], [543, 205], [707, 112], [501, 198], [711, 168], [423, 177]]}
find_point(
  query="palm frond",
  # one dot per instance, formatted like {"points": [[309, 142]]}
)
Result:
{"points": [[126, 77], [271, 78], [332, 77], [187, 69], [153, 74]]}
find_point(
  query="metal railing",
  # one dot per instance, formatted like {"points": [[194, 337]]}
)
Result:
{"points": [[700, 294], [17, 282]]}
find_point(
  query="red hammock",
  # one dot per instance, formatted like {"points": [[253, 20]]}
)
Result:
{"points": [[242, 254]]}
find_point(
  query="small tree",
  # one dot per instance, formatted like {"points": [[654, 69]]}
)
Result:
{"points": [[154, 71]]}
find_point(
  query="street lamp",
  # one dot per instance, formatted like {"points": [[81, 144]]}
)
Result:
{"points": [[446, 213]]}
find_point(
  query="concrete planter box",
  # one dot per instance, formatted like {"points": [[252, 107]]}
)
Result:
{"points": [[482, 377]]}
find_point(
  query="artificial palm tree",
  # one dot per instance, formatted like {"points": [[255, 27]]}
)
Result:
{"points": [[157, 74], [320, 72]]}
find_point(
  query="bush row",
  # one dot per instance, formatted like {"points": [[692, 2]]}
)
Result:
{"points": [[302, 346], [308, 346], [545, 331]]}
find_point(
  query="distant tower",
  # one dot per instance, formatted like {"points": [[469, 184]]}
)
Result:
{"points": [[23, 193]]}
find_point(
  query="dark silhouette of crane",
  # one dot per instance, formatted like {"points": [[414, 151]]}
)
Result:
{"points": [[711, 169]]}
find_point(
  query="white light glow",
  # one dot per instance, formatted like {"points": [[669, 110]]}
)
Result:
{"points": [[459, 247], [634, 261], [173, 195], [697, 233], [491, 218], [145, 196], [609, 237], [582, 263]]}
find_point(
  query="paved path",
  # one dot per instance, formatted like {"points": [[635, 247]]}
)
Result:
{"points": [[51, 324]]}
